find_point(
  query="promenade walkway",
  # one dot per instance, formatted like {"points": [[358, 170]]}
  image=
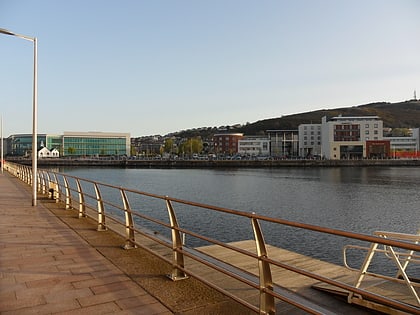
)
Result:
{"points": [[52, 262], [47, 268]]}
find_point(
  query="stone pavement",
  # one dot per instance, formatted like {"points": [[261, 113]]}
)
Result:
{"points": [[47, 268], [52, 262]]}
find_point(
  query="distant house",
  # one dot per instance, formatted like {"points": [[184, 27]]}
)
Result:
{"points": [[55, 153], [46, 153]]}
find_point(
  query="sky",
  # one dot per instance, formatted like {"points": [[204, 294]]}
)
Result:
{"points": [[160, 66]]}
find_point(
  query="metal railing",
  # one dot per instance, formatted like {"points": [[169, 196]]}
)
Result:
{"points": [[110, 206]]}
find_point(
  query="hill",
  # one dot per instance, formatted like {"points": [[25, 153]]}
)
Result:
{"points": [[394, 115]]}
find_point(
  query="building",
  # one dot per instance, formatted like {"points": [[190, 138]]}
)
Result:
{"points": [[21, 144], [226, 143], [405, 147], [73, 144], [96, 144], [283, 143], [346, 137], [254, 146], [45, 153], [309, 140]]}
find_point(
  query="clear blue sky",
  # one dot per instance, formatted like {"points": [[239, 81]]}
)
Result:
{"points": [[158, 66]]}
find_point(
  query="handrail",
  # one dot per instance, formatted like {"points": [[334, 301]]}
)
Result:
{"points": [[88, 197]]}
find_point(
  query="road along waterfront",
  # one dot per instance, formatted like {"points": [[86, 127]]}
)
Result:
{"points": [[357, 199]]}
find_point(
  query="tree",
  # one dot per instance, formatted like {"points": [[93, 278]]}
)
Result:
{"points": [[71, 150], [192, 145], [168, 146]]}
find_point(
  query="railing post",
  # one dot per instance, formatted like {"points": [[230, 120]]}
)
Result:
{"points": [[43, 183], [177, 257], [38, 180], [82, 209], [129, 223], [56, 192], [68, 195], [101, 213], [266, 283]]}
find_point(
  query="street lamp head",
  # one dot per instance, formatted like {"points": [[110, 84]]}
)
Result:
{"points": [[4, 31], [7, 32]]}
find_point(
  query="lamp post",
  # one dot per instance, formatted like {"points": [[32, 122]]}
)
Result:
{"points": [[34, 114]]}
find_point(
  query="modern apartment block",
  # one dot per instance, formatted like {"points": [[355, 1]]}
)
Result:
{"points": [[346, 137], [309, 140]]}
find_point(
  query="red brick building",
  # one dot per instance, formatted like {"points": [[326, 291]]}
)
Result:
{"points": [[226, 143]]}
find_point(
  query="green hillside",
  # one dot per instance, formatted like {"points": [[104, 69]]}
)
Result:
{"points": [[394, 115]]}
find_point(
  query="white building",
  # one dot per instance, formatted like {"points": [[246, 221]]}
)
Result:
{"points": [[46, 153], [254, 146], [345, 137], [309, 140]]}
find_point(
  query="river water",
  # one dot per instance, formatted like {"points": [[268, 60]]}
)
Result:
{"points": [[353, 199]]}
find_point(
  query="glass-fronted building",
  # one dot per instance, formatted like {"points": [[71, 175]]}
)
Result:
{"points": [[73, 144], [21, 144], [95, 144]]}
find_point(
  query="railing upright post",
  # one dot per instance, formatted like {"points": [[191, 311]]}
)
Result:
{"points": [[42, 181], [56, 192], [266, 283], [68, 195], [177, 256], [25, 174], [28, 177], [129, 223], [101, 209], [82, 209], [38, 181], [31, 177]]}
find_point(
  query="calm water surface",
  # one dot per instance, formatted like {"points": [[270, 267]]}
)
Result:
{"points": [[353, 199]]}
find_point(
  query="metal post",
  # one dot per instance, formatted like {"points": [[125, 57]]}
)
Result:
{"points": [[177, 257], [34, 127], [266, 283], [34, 114], [130, 241], [101, 209]]}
